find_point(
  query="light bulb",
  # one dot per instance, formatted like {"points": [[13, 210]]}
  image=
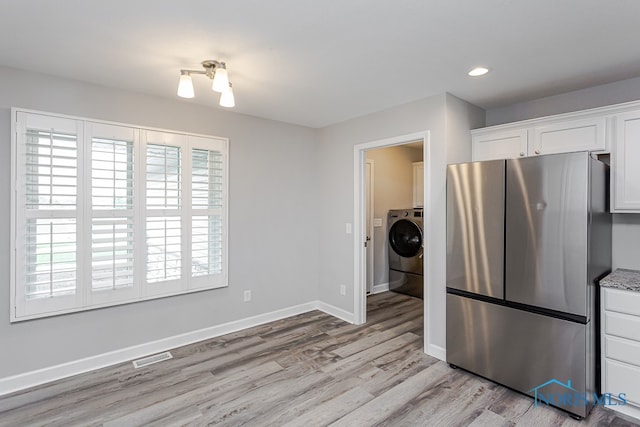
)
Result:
{"points": [[185, 86], [220, 78], [227, 99], [479, 71]]}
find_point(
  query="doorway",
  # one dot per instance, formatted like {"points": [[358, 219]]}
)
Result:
{"points": [[360, 264], [392, 195]]}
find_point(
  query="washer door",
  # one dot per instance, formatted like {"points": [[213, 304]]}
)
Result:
{"points": [[405, 238]]}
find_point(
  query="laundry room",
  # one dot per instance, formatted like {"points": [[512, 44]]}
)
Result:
{"points": [[394, 207]]}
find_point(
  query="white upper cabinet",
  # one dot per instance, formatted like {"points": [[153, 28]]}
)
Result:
{"points": [[613, 129], [568, 136], [507, 144], [549, 135], [625, 163]]}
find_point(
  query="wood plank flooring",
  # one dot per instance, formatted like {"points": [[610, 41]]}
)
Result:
{"points": [[307, 370]]}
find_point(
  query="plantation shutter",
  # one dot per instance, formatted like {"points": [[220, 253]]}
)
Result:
{"points": [[208, 186], [164, 211], [104, 214], [47, 193], [112, 223]]}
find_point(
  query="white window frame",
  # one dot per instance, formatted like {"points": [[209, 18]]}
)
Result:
{"points": [[85, 298]]}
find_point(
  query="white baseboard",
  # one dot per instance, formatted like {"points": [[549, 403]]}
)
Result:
{"points": [[335, 311], [382, 287], [45, 375], [630, 411], [436, 351]]}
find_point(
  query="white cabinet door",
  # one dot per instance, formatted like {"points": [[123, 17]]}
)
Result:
{"points": [[622, 378], [625, 163], [418, 184], [569, 136], [499, 145]]}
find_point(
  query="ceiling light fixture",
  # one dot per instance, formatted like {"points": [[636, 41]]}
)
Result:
{"points": [[478, 71], [185, 86], [216, 71], [226, 98]]}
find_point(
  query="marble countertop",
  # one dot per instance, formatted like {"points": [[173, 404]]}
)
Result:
{"points": [[622, 279]]}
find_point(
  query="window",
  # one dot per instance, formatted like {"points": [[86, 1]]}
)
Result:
{"points": [[105, 214]]}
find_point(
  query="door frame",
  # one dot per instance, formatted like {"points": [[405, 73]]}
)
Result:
{"points": [[369, 212], [359, 219]]}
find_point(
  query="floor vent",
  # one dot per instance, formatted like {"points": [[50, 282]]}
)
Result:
{"points": [[146, 361]]}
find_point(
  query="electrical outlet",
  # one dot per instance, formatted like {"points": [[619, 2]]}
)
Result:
{"points": [[343, 290], [247, 296]]}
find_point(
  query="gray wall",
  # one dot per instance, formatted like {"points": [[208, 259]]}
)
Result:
{"points": [[393, 189], [626, 227], [460, 117], [273, 240], [597, 96], [439, 114], [291, 192]]}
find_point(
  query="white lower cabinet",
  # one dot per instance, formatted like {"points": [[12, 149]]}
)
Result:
{"points": [[622, 376], [620, 352]]}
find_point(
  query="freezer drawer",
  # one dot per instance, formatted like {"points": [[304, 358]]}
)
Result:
{"points": [[519, 349], [475, 227], [546, 232]]}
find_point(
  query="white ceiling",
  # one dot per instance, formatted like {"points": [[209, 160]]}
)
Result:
{"points": [[318, 62]]}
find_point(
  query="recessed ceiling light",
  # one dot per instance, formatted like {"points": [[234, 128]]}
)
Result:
{"points": [[478, 71]]}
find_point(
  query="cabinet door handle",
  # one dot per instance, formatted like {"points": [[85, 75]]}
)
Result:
{"points": [[521, 154], [537, 151]]}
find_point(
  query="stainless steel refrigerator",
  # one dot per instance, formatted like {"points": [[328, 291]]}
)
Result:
{"points": [[527, 241]]}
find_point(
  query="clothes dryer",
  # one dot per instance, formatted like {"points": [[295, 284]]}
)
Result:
{"points": [[406, 251]]}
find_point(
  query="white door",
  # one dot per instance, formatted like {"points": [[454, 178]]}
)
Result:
{"points": [[369, 225]]}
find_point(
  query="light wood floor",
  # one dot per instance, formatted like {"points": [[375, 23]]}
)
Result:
{"points": [[307, 370]]}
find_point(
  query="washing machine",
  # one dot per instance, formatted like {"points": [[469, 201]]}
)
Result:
{"points": [[406, 251]]}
